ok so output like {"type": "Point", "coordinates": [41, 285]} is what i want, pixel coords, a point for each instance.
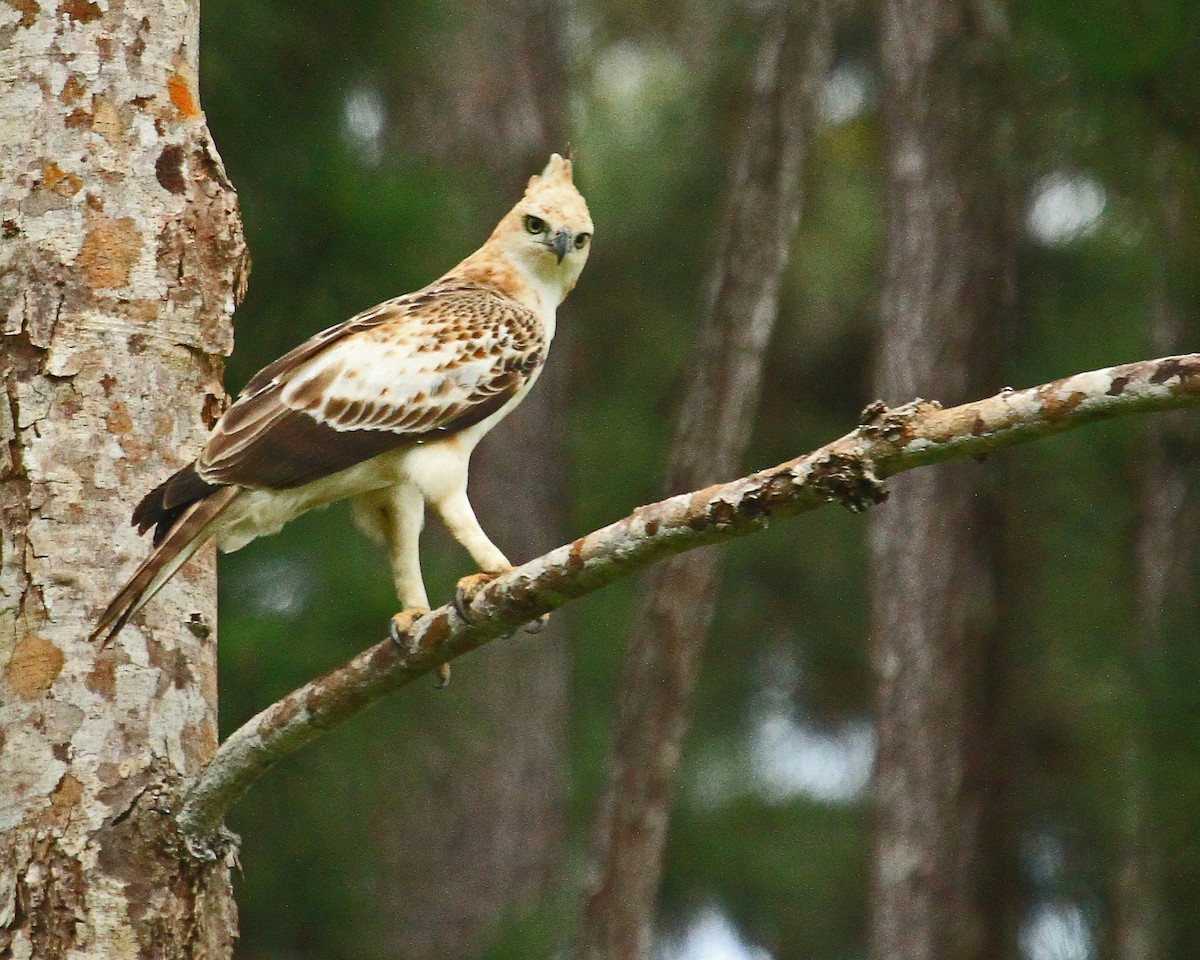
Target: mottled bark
{"type": "Point", "coordinates": [120, 257]}
{"type": "Point", "coordinates": [676, 599]}
{"type": "Point", "coordinates": [933, 565]}
{"type": "Point", "coordinates": [481, 839]}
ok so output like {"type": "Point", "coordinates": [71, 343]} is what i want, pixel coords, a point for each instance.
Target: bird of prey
{"type": "Point", "coordinates": [384, 408]}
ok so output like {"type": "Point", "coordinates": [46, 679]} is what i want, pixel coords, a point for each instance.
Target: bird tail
{"type": "Point", "coordinates": [187, 535]}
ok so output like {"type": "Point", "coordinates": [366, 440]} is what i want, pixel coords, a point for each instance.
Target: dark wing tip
{"type": "Point", "coordinates": [147, 513]}
{"type": "Point", "coordinates": [163, 505]}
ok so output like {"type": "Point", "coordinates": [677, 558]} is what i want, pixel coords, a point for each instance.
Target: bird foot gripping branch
{"type": "Point", "coordinates": [465, 592]}
{"type": "Point", "coordinates": [469, 587]}
{"type": "Point", "coordinates": [400, 629]}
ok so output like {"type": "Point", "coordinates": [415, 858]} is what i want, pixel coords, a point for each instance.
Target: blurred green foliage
{"type": "Point", "coordinates": [335, 225]}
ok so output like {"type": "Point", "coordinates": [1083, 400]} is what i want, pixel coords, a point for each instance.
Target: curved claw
{"type": "Point", "coordinates": [400, 629]}
{"type": "Point", "coordinates": [465, 592]}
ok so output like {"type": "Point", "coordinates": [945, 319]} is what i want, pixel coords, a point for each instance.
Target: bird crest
{"type": "Point", "coordinates": [557, 171]}
{"type": "Point", "coordinates": [552, 196]}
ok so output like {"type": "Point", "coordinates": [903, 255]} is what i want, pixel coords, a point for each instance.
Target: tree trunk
{"type": "Point", "coordinates": [933, 563]}
{"type": "Point", "coordinates": [677, 597]}
{"type": "Point", "coordinates": [1168, 528]}
{"type": "Point", "coordinates": [121, 257]}
{"type": "Point", "coordinates": [481, 840]}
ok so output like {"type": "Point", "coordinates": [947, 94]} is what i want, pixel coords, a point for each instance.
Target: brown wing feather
{"type": "Point", "coordinates": [416, 368]}
{"type": "Point", "coordinates": [296, 449]}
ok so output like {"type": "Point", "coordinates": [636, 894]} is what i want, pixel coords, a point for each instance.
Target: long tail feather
{"type": "Point", "coordinates": [188, 534]}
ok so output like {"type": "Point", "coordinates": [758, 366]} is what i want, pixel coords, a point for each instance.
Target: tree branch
{"type": "Point", "coordinates": [847, 471]}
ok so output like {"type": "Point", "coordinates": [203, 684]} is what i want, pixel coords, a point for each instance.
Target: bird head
{"type": "Point", "coordinates": [548, 234]}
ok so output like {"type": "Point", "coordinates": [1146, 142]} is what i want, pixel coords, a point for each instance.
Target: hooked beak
{"type": "Point", "coordinates": [561, 244]}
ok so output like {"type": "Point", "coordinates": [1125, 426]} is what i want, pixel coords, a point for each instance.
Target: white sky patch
{"type": "Point", "coordinates": [791, 758]}
{"type": "Point", "coordinates": [364, 119]}
{"type": "Point", "coordinates": [622, 71]}
{"type": "Point", "coordinates": [1056, 931]}
{"type": "Point", "coordinates": [634, 82]}
{"type": "Point", "coordinates": [1065, 206]}
{"type": "Point", "coordinates": [845, 94]}
{"type": "Point", "coordinates": [783, 755]}
{"type": "Point", "coordinates": [710, 935]}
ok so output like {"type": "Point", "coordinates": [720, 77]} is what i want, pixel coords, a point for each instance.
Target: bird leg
{"type": "Point", "coordinates": [455, 511]}
{"type": "Point", "coordinates": [396, 516]}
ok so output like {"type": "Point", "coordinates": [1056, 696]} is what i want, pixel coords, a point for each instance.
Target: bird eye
{"type": "Point", "coordinates": [535, 224]}
{"type": "Point", "coordinates": [581, 240]}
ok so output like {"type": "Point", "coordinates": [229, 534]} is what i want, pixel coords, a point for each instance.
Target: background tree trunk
{"type": "Point", "coordinates": [933, 565]}
{"type": "Point", "coordinates": [715, 425]}
{"type": "Point", "coordinates": [481, 838]}
{"type": "Point", "coordinates": [1167, 532]}
{"type": "Point", "coordinates": [121, 258]}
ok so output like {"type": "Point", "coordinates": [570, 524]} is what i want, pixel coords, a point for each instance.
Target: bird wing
{"type": "Point", "coordinates": [418, 367]}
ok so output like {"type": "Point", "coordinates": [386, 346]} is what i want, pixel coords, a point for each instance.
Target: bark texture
{"type": "Point", "coordinates": [481, 839]}
{"type": "Point", "coordinates": [933, 563]}
{"type": "Point", "coordinates": [120, 256]}
{"type": "Point", "coordinates": [676, 598]}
